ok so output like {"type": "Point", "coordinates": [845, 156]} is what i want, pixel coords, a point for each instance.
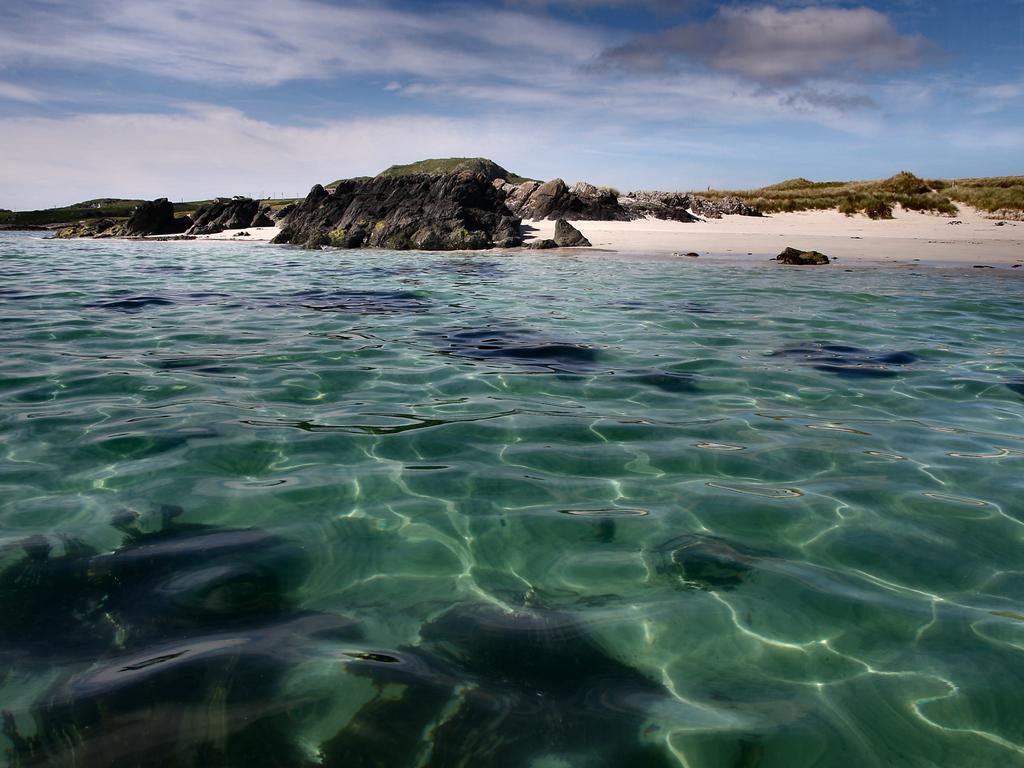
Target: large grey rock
{"type": "Point", "coordinates": [443, 211]}
{"type": "Point", "coordinates": [155, 217]}
{"type": "Point", "coordinates": [235, 213]}
{"type": "Point", "coordinates": [567, 236]}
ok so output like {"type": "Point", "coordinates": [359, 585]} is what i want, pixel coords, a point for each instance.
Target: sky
{"type": "Point", "coordinates": [195, 98]}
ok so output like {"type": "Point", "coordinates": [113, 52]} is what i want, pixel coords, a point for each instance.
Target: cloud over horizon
{"type": "Point", "coordinates": [815, 81]}
{"type": "Point", "coordinates": [777, 46]}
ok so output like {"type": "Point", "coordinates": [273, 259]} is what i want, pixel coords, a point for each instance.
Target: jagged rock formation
{"type": "Point", "coordinates": [155, 217]}
{"type": "Point", "coordinates": [567, 236]}
{"type": "Point", "coordinates": [95, 228]}
{"type": "Point", "coordinates": [796, 257]}
{"type": "Point", "coordinates": [236, 213]}
{"type": "Point", "coordinates": [678, 206]}
{"type": "Point", "coordinates": [556, 200]}
{"type": "Point", "coordinates": [454, 211]}
{"type": "Point", "coordinates": [670, 206]}
{"type": "Point", "coordinates": [586, 202]}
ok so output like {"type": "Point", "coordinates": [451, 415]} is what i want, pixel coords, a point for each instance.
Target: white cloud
{"type": "Point", "coordinates": [268, 42]}
{"type": "Point", "coordinates": [14, 92]}
{"type": "Point", "coordinates": [206, 151]}
{"type": "Point", "coordinates": [773, 45]}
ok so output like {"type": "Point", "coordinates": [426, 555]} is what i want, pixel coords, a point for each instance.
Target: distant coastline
{"type": "Point", "coordinates": [475, 204]}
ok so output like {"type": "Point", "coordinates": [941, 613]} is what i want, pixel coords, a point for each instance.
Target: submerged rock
{"type": "Point", "coordinates": [849, 361]}
{"type": "Point", "coordinates": [567, 236]}
{"type": "Point", "coordinates": [457, 211]}
{"type": "Point", "coordinates": [795, 256]}
{"type": "Point", "coordinates": [704, 562]}
{"type": "Point", "coordinates": [172, 650]}
{"type": "Point", "coordinates": [493, 687]}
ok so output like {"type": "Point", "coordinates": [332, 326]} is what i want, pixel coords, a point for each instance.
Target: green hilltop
{"type": "Point", "coordinates": [481, 165]}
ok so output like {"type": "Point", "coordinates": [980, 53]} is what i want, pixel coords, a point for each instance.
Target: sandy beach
{"type": "Point", "coordinates": [908, 237]}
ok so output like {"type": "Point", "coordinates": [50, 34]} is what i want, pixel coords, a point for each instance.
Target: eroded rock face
{"type": "Point", "coordinates": [155, 217]}
{"type": "Point", "coordinates": [567, 236]}
{"type": "Point", "coordinates": [445, 212]}
{"type": "Point", "coordinates": [236, 213]}
{"type": "Point", "coordinates": [556, 200]}
{"type": "Point", "coordinates": [669, 206]}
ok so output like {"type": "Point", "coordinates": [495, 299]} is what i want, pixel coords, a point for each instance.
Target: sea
{"type": "Point", "coordinates": [262, 506]}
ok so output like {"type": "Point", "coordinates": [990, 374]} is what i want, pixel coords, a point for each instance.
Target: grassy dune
{"type": "Point", "coordinates": [877, 199]}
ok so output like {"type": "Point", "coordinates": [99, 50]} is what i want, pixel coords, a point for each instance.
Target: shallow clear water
{"type": "Point", "coordinates": [261, 506]}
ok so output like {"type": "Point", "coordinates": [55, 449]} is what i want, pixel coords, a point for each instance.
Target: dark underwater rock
{"type": "Point", "coordinates": [794, 256]}
{"type": "Point", "coordinates": [505, 688]}
{"type": "Point", "coordinates": [848, 361]}
{"type": "Point", "coordinates": [704, 562]}
{"type": "Point", "coordinates": [567, 236]}
{"type": "Point", "coordinates": [457, 211]}
{"type": "Point", "coordinates": [155, 217]}
{"type": "Point", "coordinates": [172, 649]}
{"type": "Point", "coordinates": [516, 345]}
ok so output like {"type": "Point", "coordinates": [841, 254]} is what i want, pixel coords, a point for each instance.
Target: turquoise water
{"type": "Point", "coordinates": [261, 506]}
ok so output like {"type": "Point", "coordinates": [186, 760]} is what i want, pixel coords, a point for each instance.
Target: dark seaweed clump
{"type": "Point", "coordinates": [173, 651]}
{"type": "Point", "coordinates": [705, 562]}
{"type": "Point", "coordinates": [361, 302]}
{"type": "Point", "coordinates": [848, 361]}
{"type": "Point", "coordinates": [132, 304]}
{"type": "Point", "coordinates": [519, 346]}
{"type": "Point", "coordinates": [172, 648]}
{"type": "Point", "coordinates": [501, 688]}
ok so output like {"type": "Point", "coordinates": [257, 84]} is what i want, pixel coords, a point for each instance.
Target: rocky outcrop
{"type": "Point", "coordinates": [96, 228]}
{"type": "Point", "coordinates": [723, 206]}
{"type": "Point", "coordinates": [236, 213]}
{"type": "Point", "coordinates": [679, 206]}
{"type": "Point", "coordinates": [586, 202]}
{"type": "Point", "coordinates": [454, 211]}
{"type": "Point", "coordinates": [567, 236]}
{"type": "Point", "coordinates": [556, 200]}
{"type": "Point", "coordinates": [669, 206]}
{"type": "Point", "coordinates": [155, 217]}
{"type": "Point", "coordinates": [796, 257]}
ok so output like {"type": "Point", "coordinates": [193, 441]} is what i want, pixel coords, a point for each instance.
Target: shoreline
{"type": "Point", "coordinates": [910, 237]}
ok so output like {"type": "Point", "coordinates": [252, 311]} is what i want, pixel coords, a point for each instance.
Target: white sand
{"type": "Point", "coordinates": [256, 234]}
{"type": "Point", "coordinates": [909, 236]}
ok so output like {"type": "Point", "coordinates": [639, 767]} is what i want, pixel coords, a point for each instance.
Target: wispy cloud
{"type": "Point", "coordinates": [774, 45]}
{"type": "Point", "coordinates": [269, 42]}
{"type": "Point", "coordinates": [14, 92]}
{"type": "Point", "coordinates": [205, 150]}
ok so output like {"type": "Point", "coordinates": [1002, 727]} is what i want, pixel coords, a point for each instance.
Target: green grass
{"type": "Point", "coordinates": [877, 199]}
{"type": "Point", "coordinates": [999, 193]}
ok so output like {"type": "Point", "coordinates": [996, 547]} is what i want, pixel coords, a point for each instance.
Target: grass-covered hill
{"type": "Point", "coordinates": [481, 165]}
{"type": "Point", "coordinates": [101, 208]}
{"type": "Point", "coordinates": [999, 196]}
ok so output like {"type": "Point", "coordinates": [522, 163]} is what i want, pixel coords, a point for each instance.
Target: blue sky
{"type": "Point", "coordinates": [193, 98]}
